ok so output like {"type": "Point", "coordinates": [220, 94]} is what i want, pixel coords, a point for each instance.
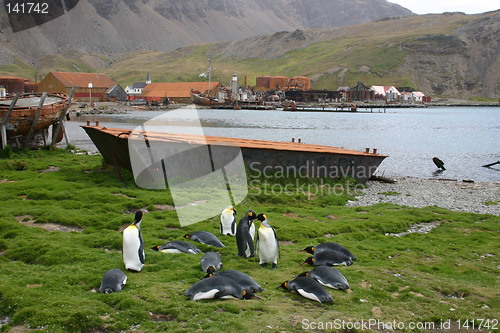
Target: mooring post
{"type": "Point", "coordinates": [3, 124]}
{"type": "Point", "coordinates": [60, 120]}
{"type": "Point", "coordinates": [35, 120]}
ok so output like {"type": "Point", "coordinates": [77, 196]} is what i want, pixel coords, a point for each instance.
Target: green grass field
{"type": "Point", "coordinates": [50, 279]}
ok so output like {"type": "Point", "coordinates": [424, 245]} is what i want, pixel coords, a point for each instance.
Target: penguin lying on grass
{"type": "Point", "coordinates": [267, 243]}
{"type": "Point", "coordinates": [217, 287]}
{"type": "Point", "coordinates": [211, 262]}
{"type": "Point", "coordinates": [113, 281]}
{"type": "Point", "coordinates": [228, 221]}
{"type": "Point", "coordinates": [328, 258]}
{"type": "Point", "coordinates": [133, 245]}
{"type": "Point", "coordinates": [244, 238]}
{"type": "Point", "coordinates": [205, 237]}
{"type": "Point", "coordinates": [177, 247]}
{"type": "Point", "coordinates": [309, 288]}
{"type": "Point", "coordinates": [245, 281]}
{"type": "Point", "coordinates": [329, 277]}
{"type": "Point", "coordinates": [329, 246]}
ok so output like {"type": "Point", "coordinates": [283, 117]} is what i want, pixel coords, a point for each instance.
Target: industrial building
{"type": "Point", "coordinates": [90, 87]}
{"type": "Point", "coordinates": [178, 92]}
{"type": "Point", "coordinates": [282, 83]}
{"type": "Point", "coordinates": [16, 85]}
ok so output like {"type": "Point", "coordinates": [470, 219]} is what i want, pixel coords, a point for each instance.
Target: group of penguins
{"type": "Point", "coordinates": [233, 283]}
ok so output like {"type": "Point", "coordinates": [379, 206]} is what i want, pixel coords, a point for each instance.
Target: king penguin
{"type": "Point", "coordinates": [133, 244]}
{"type": "Point", "coordinates": [205, 237]}
{"type": "Point", "coordinates": [113, 281]}
{"type": "Point", "coordinates": [244, 239]}
{"type": "Point", "coordinates": [216, 287]}
{"type": "Point", "coordinates": [228, 221]}
{"type": "Point", "coordinates": [245, 281]}
{"type": "Point", "coordinates": [309, 288]}
{"type": "Point", "coordinates": [329, 277]}
{"type": "Point", "coordinates": [328, 258]}
{"type": "Point", "coordinates": [211, 262]}
{"type": "Point", "coordinates": [267, 243]}
{"type": "Point", "coordinates": [329, 246]}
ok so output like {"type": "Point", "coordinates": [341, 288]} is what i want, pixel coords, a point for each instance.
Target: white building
{"type": "Point", "coordinates": [390, 93]}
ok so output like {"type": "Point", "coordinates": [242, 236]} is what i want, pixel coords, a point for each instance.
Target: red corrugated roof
{"type": "Point", "coordinates": [176, 89]}
{"type": "Point", "coordinates": [70, 79]}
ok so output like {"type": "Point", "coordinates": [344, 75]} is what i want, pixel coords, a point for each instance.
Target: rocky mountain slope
{"type": "Point", "coordinates": [448, 55]}
{"type": "Point", "coordinates": [114, 27]}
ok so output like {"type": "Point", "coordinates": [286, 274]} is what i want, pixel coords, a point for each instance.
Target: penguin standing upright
{"type": "Point", "coordinates": [267, 242]}
{"type": "Point", "coordinates": [228, 221]}
{"type": "Point", "coordinates": [133, 244]}
{"type": "Point", "coordinates": [244, 240]}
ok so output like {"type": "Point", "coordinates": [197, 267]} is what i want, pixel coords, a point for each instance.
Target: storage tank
{"type": "Point", "coordinates": [13, 85]}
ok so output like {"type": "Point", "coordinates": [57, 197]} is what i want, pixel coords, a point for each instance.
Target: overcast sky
{"type": "Point", "coordinates": [441, 6]}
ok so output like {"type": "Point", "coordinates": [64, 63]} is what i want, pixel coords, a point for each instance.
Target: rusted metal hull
{"type": "Point", "coordinates": [264, 157]}
{"type": "Point", "coordinates": [23, 114]}
{"type": "Point", "coordinates": [198, 99]}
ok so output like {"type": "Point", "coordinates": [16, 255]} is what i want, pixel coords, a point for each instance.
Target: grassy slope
{"type": "Point", "coordinates": [412, 278]}
{"type": "Point", "coordinates": [376, 45]}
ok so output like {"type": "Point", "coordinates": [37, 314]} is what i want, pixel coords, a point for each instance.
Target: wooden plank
{"type": "Point", "coordinates": [3, 125]}
{"type": "Point", "coordinates": [60, 120]}
{"type": "Point", "coordinates": [35, 120]}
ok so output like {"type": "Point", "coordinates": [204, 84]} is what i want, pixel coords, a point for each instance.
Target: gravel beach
{"type": "Point", "coordinates": [450, 194]}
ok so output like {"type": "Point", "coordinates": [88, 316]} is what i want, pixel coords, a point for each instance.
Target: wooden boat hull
{"type": "Point", "coordinates": [23, 114]}
{"type": "Point", "coordinates": [264, 157]}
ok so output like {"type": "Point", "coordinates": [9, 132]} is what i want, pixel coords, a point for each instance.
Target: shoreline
{"type": "Point", "coordinates": [480, 198]}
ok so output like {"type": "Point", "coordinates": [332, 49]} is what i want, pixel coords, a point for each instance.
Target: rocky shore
{"type": "Point", "coordinates": [482, 198]}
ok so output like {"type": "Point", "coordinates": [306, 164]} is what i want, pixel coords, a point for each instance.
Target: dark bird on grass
{"type": "Point", "coordinates": [244, 238]}
{"type": "Point", "coordinates": [228, 221]}
{"type": "Point", "coordinates": [267, 243]}
{"type": "Point", "coordinates": [211, 262]}
{"type": "Point", "coordinates": [177, 247]}
{"type": "Point", "coordinates": [113, 281]}
{"type": "Point", "coordinates": [205, 237]}
{"type": "Point", "coordinates": [328, 258]}
{"type": "Point", "coordinates": [217, 287]}
{"type": "Point", "coordinates": [133, 245]}
{"type": "Point", "coordinates": [309, 288]}
{"type": "Point", "coordinates": [329, 246]}
{"type": "Point", "coordinates": [244, 280]}
{"type": "Point", "coordinates": [439, 163]}
{"type": "Point", "coordinates": [328, 276]}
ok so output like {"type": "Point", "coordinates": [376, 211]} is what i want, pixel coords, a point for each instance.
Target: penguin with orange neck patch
{"type": "Point", "coordinates": [267, 243]}
{"type": "Point", "coordinates": [133, 245]}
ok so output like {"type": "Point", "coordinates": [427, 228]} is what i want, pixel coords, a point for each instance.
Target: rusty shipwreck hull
{"type": "Point", "coordinates": [263, 157]}
{"type": "Point", "coordinates": [25, 112]}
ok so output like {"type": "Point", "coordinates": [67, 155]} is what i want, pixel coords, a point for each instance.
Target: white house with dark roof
{"type": "Point", "coordinates": [135, 90]}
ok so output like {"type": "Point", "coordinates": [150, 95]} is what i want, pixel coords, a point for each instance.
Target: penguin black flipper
{"type": "Point", "coordinates": [277, 242]}
{"type": "Point", "coordinates": [141, 249]}
{"type": "Point", "coordinates": [233, 226]}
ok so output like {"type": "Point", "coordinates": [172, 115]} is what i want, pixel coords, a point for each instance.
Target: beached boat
{"type": "Point", "coordinates": [28, 115]}
{"type": "Point", "coordinates": [201, 99]}
{"type": "Point", "coordinates": [264, 157]}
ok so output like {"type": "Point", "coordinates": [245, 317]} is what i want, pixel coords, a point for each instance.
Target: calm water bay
{"type": "Point", "coordinates": [465, 138]}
